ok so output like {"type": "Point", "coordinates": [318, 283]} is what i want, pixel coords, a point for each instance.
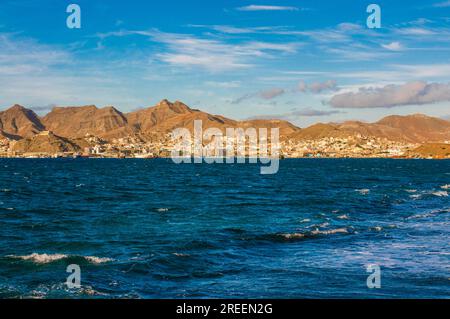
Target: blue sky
{"type": "Point", "coordinates": [305, 61]}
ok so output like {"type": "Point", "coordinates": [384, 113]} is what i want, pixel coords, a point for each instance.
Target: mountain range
{"type": "Point", "coordinates": [73, 123]}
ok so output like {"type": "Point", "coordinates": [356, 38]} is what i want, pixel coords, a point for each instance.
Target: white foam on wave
{"type": "Point", "coordinates": [42, 291]}
{"type": "Point", "coordinates": [330, 232]}
{"type": "Point", "coordinates": [98, 260]}
{"type": "Point", "coordinates": [431, 213]}
{"type": "Point", "coordinates": [293, 236]}
{"type": "Point", "coordinates": [363, 191]}
{"type": "Point", "coordinates": [49, 258]}
{"type": "Point", "coordinates": [315, 232]}
{"type": "Point", "coordinates": [40, 258]}
{"type": "Point", "coordinates": [423, 194]}
{"type": "Point", "coordinates": [440, 193]}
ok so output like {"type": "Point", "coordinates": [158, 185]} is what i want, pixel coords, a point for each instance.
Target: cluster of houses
{"type": "Point", "coordinates": [351, 146]}
{"type": "Point", "coordinates": [357, 146]}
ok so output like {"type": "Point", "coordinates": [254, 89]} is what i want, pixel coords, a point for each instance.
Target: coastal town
{"type": "Point", "coordinates": [132, 147]}
{"type": "Point", "coordinates": [91, 132]}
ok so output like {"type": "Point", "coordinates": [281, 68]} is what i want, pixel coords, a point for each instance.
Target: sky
{"type": "Point", "coordinates": [303, 61]}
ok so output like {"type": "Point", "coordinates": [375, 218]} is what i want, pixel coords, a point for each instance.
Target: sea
{"type": "Point", "coordinates": [137, 228]}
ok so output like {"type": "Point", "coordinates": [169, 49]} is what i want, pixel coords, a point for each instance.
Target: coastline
{"type": "Point", "coordinates": [50, 156]}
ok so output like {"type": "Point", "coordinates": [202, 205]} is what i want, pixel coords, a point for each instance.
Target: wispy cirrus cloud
{"type": "Point", "coordinates": [210, 54]}
{"type": "Point", "coordinates": [401, 73]}
{"type": "Point", "coordinates": [354, 41]}
{"type": "Point", "coordinates": [224, 85]}
{"type": "Point", "coordinates": [230, 29]}
{"type": "Point", "coordinates": [411, 93]}
{"type": "Point", "coordinates": [268, 94]}
{"type": "Point", "coordinates": [255, 7]}
{"type": "Point", "coordinates": [393, 46]}
{"type": "Point", "coordinates": [37, 75]}
{"type": "Point", "coordinates": [24, 55]}
{"type": "Point", "coordinates": [444, 4]}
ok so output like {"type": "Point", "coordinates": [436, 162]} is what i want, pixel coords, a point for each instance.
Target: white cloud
{"type": "Point", "coordinates": [425, 71]}
{"type": "Point", "coordinates": [229, 29]}
{"type": "Point", "coordinates": [401, 73]}
{"type": "Point", "coordinates": [213, 55]}
{"type": "Point", "coordinates": [412, 93]}
{"type": "Point", "coordinates": [393, 46]}
{"type": "Point", "coordinates": [28, 56]}
{"type": "Point", "coordinates": [35, 74]}
{"type": "Point", "coordinates": [268, 94]}
{"type": "Point", "coordinates": [413, 31]}
{"type": "Point", "coordinates": [317, 87]}
{"type": "Point", "coordinates": [443, 4]}
{"type": "Point", "coordinates": [254, 7]}
{"type": "Point", "coordinates": [271, 93]}
{"type": "Point", "coordinates": [224, 85]}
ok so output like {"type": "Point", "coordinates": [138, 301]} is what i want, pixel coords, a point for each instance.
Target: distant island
{"type": "Point", "coordinates": [88, 131]}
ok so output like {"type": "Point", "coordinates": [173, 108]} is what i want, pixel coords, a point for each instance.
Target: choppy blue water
{"type": "Point", "coordinates": [153, 229]}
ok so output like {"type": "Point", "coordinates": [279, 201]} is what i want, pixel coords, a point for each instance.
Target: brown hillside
{"type": "Point", "coordinates": [154, 122]}
{"type": "Point", "coordinates": [75, 122]}
{"type": "Point", "coordinates": [286, 128]}
{"type": "Point", "coordinates": [318, 131]}
{"type": "Point", "coordinates": [19, 121]}
{"type": "Point", "coordinates": [435, 150]}
{"type": "Point", "coordinates": [166, 116]}
{"type": "Point", "coordinates": [413, 129]}
{"type": "Point", "coordinates": [419, 128]}
{"type": "Point", "coordinates": [45, 143]}
{"type": "Point", "coordinates": [146, 120]}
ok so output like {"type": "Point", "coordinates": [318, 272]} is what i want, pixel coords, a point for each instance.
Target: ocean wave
{"type": "Point", "coordinates": [314, 233]}
{"type": "Point", "coordinates": [181, 255]}
{"type": "Point", "coordinates": [98, 260]}
{"type": "Point", "coordinates": [431, 213]}
{"type": "Point", "coordinates": [426, 194]}
{"type": "Point", "coordinates": [49, 258]}
{"type": "Point", "coordinates": [363, 191]}
{"type": "Point", "coordinates": [440, 194]}
{"type": "Point", "coordinates": [47, 291]}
